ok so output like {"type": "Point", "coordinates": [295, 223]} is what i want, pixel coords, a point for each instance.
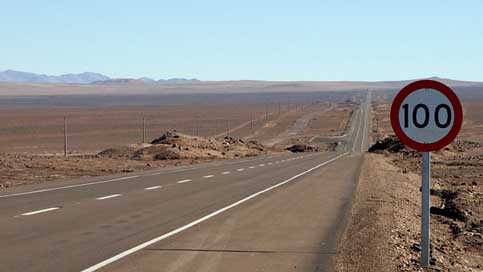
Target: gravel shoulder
{"type": "Point", "coordinates": [364, 246]}
{"type": "Point", "coordinates": [384, 229]}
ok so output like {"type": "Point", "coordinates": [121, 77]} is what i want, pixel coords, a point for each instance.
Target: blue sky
{"type": "Point", "coordinates": [266, 40]}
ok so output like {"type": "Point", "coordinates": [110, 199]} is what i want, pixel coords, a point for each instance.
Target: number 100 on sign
{"type": "Point", "coordinates": [426, 115]}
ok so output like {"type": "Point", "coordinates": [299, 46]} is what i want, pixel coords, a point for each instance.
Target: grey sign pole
{"type": "Point", "coordinates": [425, 206]}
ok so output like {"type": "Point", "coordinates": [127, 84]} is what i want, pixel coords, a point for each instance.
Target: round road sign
{"type": "Point", "coordinates": [426, 115]}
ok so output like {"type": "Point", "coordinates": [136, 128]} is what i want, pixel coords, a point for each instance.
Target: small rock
{"type": "Point", "coordinates": [416, 247]}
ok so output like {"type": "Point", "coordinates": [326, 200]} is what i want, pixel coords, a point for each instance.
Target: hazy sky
{"type": "Point", "coordinates": [270, 40]}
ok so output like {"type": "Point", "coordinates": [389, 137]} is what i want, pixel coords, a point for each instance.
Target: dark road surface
{"type": "Point", "coordinates": [268, 214]}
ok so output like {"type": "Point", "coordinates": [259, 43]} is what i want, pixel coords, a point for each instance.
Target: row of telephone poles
{"type": "Point", "coordinates": [196, 122]}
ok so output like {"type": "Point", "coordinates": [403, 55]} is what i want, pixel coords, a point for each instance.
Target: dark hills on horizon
{"type": "Point", "coordinates": [12, 76]}
{"type": "Point", "coordinates": [82, 78]}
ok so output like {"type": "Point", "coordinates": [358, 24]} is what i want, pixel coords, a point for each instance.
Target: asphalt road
{"type": "Point", "coordinates": [271, 213]}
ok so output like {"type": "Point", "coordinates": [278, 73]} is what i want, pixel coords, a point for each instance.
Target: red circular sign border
{"type": "Point", "coordinates": [426, 84]}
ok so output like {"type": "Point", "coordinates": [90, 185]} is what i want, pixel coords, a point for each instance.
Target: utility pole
{"type": "Point", "coordinates": [288, 104]}
{"type": "Point", "coordinates": [65, 136]}
{"type": "Point", "coordinates": [144, 130]}
{"type": "Point", "coordinates": [266, 112]}
{"type": "Point", "coordinates": [193, 124]}
{"type": "Point", "coordinates": [197, 126]}
{"type": "Point", "coordinates": [227, 128]}
{"type": "Point", "coordinates": [279, 108]}
{"type": "Point", "coordinates": [251, 120]}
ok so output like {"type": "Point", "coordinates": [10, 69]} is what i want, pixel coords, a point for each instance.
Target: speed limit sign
{"type": "Point", "coordinates": [426, 115]}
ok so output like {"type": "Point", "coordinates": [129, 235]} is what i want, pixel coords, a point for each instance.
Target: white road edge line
{"type": "Point", "coordinates": [107, 197]}
{"type": "Point", "coordinates": [358, 130]}
{"type": "Point", "coordinates": [202, 219]}
{"type": "Point", "coordinates": [184, 181]}
{"type": "Point", "coordinates": [364, 131]}
{"type": "Point", "coordinates": [41, 211]}
{"type": "Point", "coordinates": [69, 186]}
{"type": "Point", "coordinates": [152, 188]}
{"type": "Point", "coordinates": [129, 177]}
{"type": "Point", "coordinates": [240, 169]}
{"type": "Point", "coordinates": [208, 176]}
{"type": "Point", "coordinates": [251, 167]}
{"type": "Point", "coordinates": [152, 174]}
{"type": "Point", "coordinates": [225, 173]}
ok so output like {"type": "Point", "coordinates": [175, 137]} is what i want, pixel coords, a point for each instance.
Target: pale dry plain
{"type": "Point", "coordinates": [32, 128]}
{"type": "Point", "coordinates": [382, 234]}
{"type": "Point", "coordinates": [182, 194]}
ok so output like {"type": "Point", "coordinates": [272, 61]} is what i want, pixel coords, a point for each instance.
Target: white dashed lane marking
{"type": "Point", "coordinates": [150, 175]}
{"type": "Point", "coordinates": [41, 211]}
{"type": "Point", "coordinates": [107, 197]}
{"type": "Point", "coordinates": [159, 186]}
{"type": "Point", "coordinates": [198, 221]}
{"type": "Point", "coordinates": [152, 188]}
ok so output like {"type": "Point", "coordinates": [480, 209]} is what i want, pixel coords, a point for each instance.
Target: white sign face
{"type": "Point", "coordinates": [426, 116]}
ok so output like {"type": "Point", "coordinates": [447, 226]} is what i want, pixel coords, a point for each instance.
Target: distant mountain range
{"type": "Point", "coordinates": [83, 78]}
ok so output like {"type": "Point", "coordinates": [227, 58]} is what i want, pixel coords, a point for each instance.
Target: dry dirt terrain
{"type": "Point", "coordinates": [384, 232]}
{"type": "Point", "coordinates": [107, 140]}
{"type": "Point", "coordinates": [35, 124]}
{"type": "Point", "coordinates": [90, 130]}
{"type": "Point", "coordinates": [240, 86]}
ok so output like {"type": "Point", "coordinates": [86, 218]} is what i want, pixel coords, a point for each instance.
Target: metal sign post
{"type": "Point", "coordinates": [425, 206]}
{"type": "Point", "coordinates": [426, 115]}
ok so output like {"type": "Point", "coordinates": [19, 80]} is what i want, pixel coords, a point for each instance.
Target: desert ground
{"type": "Point", "coordinates": [106, 137]}
{"type": "Point", "coordinates": [383, 234]}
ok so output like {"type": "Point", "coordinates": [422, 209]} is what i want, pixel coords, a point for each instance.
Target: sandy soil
{"type": "Point", "coordinates": [33, 138]}
{"type": "Point", "coordinates": [235, 86]}
{"type": "Point", "coordinates": [365, 245]}
{"type": "Point", "coordinates": [90, 130]}
{"type": "Point", "coordinates": [330, 123]}
{"type": "Point", "coordinates": [171, 149]}
{"type": "Point", "coordinates": [321, 119]}
{"type": "Point", "coordinates": [384, 230]}
{"type": "Point", "coordinates": [94, 129]}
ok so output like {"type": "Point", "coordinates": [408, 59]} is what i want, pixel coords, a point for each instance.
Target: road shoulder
{"type": "Point", "coordinates": [383, 233]}
{"type": "Point", "coordinates": [365, 245]}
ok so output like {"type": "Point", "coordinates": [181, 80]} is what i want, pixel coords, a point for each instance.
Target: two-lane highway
{"type": "Point", "coordinates": [91, 224]}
